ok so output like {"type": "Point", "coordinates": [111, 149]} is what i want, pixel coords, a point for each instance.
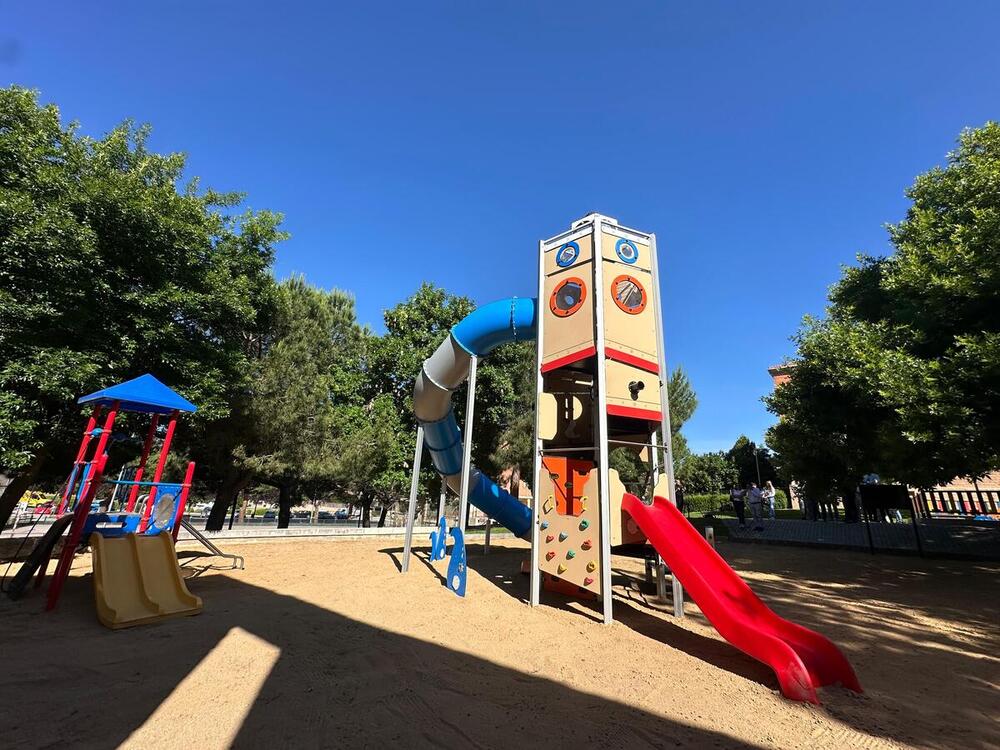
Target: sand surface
{"type": "Point", "coordinates": [324, 644]}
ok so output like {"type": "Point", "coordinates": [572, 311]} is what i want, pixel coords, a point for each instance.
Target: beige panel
{"type": "Point", "coordinates": [553, 552]}
{"type": "Point", "coordinates": [619, 377]}
{"type": "Point", "coordinates": [586, 244]}
{"type": "Point", "coordinates": [632, 334]}
{"type": "Point", "coordinates": [548, 416]}
{"type": "Point", "coordinates": [566, 335]}
{"type": "Point", "coordinates": [574, 414]}
{"type": "Point", "coordinates": [662, 488]}
{"type": "Point", "coordinates": [644, 261]}
{"type": "Point", "coordinates": [623, 529]}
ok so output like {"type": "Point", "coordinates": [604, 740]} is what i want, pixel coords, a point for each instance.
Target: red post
{"type": "Point", "coordinates": [160, 463]}
{"type": "Point", "coordinates": [81, 452]}
{"type": "Point", "coordinates": [76, 530]}
{"type": "Point", "coordinates": [182, 502]}
{"type": "Point", "coordinates": [146, 447]}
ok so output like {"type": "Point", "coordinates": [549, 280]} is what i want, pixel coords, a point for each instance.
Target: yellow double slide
{"type": "Point", "coordinates": [137, 580]}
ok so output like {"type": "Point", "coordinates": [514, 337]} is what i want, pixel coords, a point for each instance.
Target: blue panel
{"type": "Point", "coordinates": [439, 540]}
{"type": "Point", "coordinates": [486, 327]}
{"type": "Point", "coordinates": [143, 394]}
{"type": "Point", "coordinates": [112, 524]}
{"type": "Point", "coordinates": [169, 494]}
{"type": "Point", "coordinates": [444, 440]}
{"type": "Point", "coordinates": [457, 569]}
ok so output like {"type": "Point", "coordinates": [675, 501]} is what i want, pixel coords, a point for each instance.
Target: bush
{"type": "Point", "coordinates": [714, 502]}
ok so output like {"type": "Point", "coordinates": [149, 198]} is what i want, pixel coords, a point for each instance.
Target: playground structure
{"type": "Point", "coordinates": [600, 383]}
{"type": "Point", "coordinates": [136, 575]}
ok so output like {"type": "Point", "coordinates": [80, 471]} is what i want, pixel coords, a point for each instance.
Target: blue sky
{"type": "Point", "coordinates": [765, 143]}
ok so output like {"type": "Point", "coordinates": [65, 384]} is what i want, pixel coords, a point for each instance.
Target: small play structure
{"type": "Point", "coordinates": [600, 384]}
{"type": "Point", "coordinates": [136, 575]}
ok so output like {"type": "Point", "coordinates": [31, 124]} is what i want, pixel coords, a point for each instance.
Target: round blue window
{"type": "Point", "coordinates": [627, 251]}
{"type": "Point", "coordinates": [567, 254]}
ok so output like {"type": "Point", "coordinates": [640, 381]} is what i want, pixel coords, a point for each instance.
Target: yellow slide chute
{"type": "Point", "coordinates": [137, 580]}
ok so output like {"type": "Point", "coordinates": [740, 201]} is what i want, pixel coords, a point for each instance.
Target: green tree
{"type": "Point", "coordinates": [110, 270]}
{"type": "Point", "coordinates": [902, 377]}
{"type": "Point", "coordinates": [305, 396]}
{"type": "Point", "coordinates": [709, 473]}
{"type": "Point", "coordinates": [752, 462]}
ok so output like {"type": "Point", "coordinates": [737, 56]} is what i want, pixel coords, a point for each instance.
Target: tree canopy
{"type": "Point", "coordinates": [111, 269]}
{"type": "Point", "coordinates": [902, 376]}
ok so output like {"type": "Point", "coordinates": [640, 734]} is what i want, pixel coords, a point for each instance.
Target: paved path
{"type": "Point", "coordinates": [980, 539]}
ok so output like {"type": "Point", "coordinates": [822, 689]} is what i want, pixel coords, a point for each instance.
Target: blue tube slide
{"type": "Point", "coordinates": [443, 372]}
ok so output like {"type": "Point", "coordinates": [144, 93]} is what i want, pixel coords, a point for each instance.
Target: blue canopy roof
{"type": "Point", "coordinates": [144, 394]}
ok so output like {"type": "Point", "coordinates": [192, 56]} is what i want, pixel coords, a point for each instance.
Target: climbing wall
{"type": "Point", "coordinates": [569, 522]}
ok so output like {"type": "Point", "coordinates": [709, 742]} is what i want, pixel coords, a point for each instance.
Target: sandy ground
{"type": "Point", "coordinates": [325, 644]}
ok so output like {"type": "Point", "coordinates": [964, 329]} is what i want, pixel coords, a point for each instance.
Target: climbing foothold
{"type": "Point", "coordinates": [563, 536]}
{"type": "Point", "coordinates": [549, 555]}
{"type": "Point", "coordinates": [549, 538]}
{"type": "Point", "coordinates": [584, 524]}
{"type": "Point", "coordinates": [587, 581]}
{"type": "Point", "coordinates": [591, 566]}
{"type": "Point", "coordinates": [583, 503]}
{"type": "Point", "coordinates": [561, 568]}
{"type": "Point", "coordinates": [586, 544]}
{"type": "Point", "coordinates": [570, 554]}
{"type": "Point", "coordinates": [545, 525]}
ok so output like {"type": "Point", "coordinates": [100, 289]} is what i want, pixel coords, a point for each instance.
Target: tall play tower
{"type": "Point", "coordinates": [601, 383]}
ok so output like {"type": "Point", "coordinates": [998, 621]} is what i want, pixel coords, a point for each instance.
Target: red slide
{"type": "Point", "coordinates": [802, 659]}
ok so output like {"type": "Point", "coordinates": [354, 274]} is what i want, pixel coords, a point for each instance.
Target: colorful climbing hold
{"type": "Point", "coordinates": [570, 554]}
{"type": "Point", "coordinates": [561, 568]}
{"type": "Point", "coordinates": [584, 524]}
{"type": "Point", "coordinates": [545, 525]}
{"type": "Point", "coordinates": [591, 566]}
{"type": "Point", "coordinates": [563, 536]}
{"type": "Point", "coordinates": [587, 581]}
{"type": "Point", "coordinates": [549, 555]}
{"type": "Point", "coordinates": [587, 544]}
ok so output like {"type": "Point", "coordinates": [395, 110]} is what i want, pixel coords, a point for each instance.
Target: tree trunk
{"type": "Point", "coordinates": [366, 511]}
{"type": "Point", "coordinates": [232, 485]}
{"type": "Point", "coordinates": [286, 497]}
{"type": "Point", "coordinates": [17, 486]}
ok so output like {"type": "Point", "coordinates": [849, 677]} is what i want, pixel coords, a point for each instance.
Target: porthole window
{"type": "Point", "coordinates": [627, 251]}
{"type": "Point", "coordinates": [567, 254]}
{"type": "Point", "coordinates": [628, 294]}
{"type": "Point", "coordinates": [567, 297]}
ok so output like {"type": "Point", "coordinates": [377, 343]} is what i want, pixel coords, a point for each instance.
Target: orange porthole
{"type": "Point", "coordinates": [628, 294]}
{"type": "Point", "coordinates": [568, 297]}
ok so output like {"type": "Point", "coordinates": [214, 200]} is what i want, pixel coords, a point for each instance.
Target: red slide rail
{"type": "Point", "coordinates": [802, 659]}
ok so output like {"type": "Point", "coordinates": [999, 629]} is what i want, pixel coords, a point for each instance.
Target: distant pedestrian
{"type": "Point", "coordinates": [679, 495]}
{"type": "Point", "coordinates": [756, 499]}
{"type": "Point", "coordinates": [769, 495]}
{"type": "Point", "coordinates": [737, 498]}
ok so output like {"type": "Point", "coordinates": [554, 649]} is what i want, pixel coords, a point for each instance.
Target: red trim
{"type": "Point", "coordinates": [569, 359]}
{"type": "Point", "coordinates": [630, 411]}
{"type": "Point", "coordinates": [631, 359]}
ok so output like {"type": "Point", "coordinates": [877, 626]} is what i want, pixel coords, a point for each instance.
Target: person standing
{"type": "Point", "coordinates": [736, 497]}
{"type": "Point", "coordinates": [679, 495]}
{"type": "Point", "coordinates": [769, 495]}
{"type": "Point", "coordinates": [756, 498]}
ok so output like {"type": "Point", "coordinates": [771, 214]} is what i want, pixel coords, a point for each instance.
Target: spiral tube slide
{"type": "Point", "coordinates": [479, 333]}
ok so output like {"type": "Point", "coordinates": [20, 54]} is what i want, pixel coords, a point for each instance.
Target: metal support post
{"type": "Point", "coordinates": [470, 408]}
{"type": "Point", "coordinates": [536, 466]}
{"type": "Point", "coordinates": [411, 511]}
{"type": "Point", "coordinates": [668, 456]}
{"type": "Point", "coordinates": [601, 425]}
